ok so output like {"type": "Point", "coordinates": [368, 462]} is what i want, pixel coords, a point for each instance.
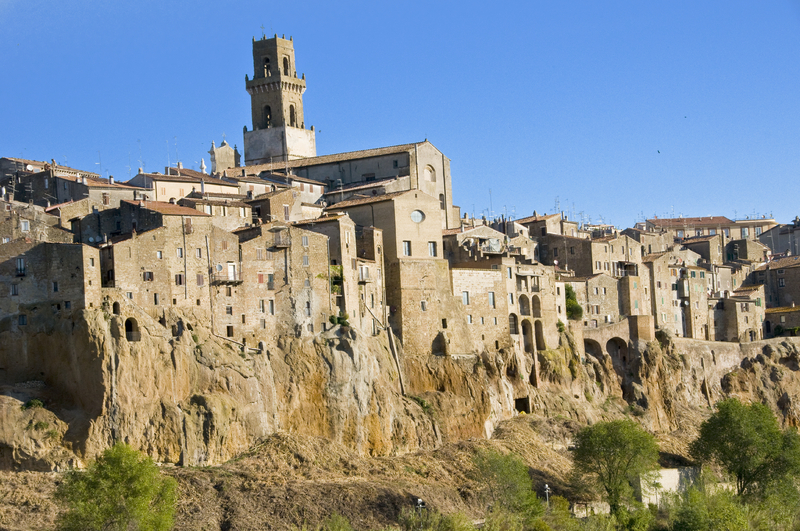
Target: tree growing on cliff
{"type": "Point", "coordinates": [610, 455]}
{"type": "Point", "coordinates": [508, 487]}
{"type": "Point", "coordinates": [574, 309]}
{"type": "Point", "coordinates": [748, 443]}
{"type": "Point", "coordinates": [121, 490]}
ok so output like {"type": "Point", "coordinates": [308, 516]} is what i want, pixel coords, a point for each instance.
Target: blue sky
{"type": "Point", "coordinates": [617, 110]}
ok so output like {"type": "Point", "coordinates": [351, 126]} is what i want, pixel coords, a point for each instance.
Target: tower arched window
{"type": "Point", "coordinates": [267, 116]}
{"type": "Point", "coordinates": [267, 67]}
{"type": "Point", "coordinates": [292, 116]}
{"type": "Point", "coordinates": [285, 66]}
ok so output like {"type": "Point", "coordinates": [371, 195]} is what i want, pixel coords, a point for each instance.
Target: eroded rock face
{"type": "Point", "coordinates": [185, 396]}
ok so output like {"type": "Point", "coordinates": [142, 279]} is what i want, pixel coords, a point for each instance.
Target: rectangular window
{"type": "Point", "coordinates": [23, 320]}
{"type": "Point", "coordinates": [511, 299]}
{"type": "Point", "coordinates": [261, 278]}
{"type": "Point", "coordinates": [271, 307]}
{"type": "Point", "coordinates": [263, 323]}
{"type": "Point", "coordinates": [491, 300]}
{"type": "Point", "coordinates": [465, 297]}
{"type": "Point", "coordinates": [406, 248]}
{"type": "Point", "coordinates": [228, 310]}
{"type": "Point", "coordinates": [198, 253]}
{"type": "Point", "coordinates": [423, 306]}
{"type": "Point", "coordinates": [745, 232]}
{"type": "Point", "coordinates": [180, 252]}
{"type": "Point", "coordinates": [224, 245]}
{"type": "Point", "coordinates": [305, 241]}
{"type": "Point", "coordinates": [67, 305]}
{"type": "Point", "coordinates": [286, 212]}
{"type": "Point", "coordinates": [508, 272]}
{"type": "Point", "coordinates": [129, 295]}
{"type": "Point", "coordinates": [572, 250]}
{"type": "Point", "coordinates": [229, 330]}
{"type": "Point", "coordinates": [469, 319]}
{"type": "Point", "coordinates": [14, 289]}
{"type": "Point", "coordinates": [55, 287]}
{"type": "Point", "coordinates": [781, 282]}
{"type": "Point", "coordinates": [25, 225]}
{"type": "Point", "coordinates": [159, 255]}
{"type": "Point", "coordinates": [179, 279]}
{"type": "Point", "coordinates": [305, 260]}
{"type": "Point", "coordinates": [155, 299]}
{"type": "Point", "coordinates": [259, 254]}
{"type": "Point", "coordinates": [147, 276]}
{"type": "Point", "coordinates": [432, 248]}
{"type": "Point", "coordinates": [199, 279]}
{"type": "Point", "coordinates": [91, 262]}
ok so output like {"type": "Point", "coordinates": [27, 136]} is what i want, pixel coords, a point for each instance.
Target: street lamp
{"type": "Point", "coordinates": [547, 494]}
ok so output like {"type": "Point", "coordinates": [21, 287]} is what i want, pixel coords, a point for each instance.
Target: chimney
{"type": "Point", "coordinates": [110, 179]}
{"type": "Point", "coordinates": [180, 165]}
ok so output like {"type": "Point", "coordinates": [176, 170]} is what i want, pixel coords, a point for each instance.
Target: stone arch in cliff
{"type": "Point", "coordinates": [617, 348]}
{"type": "Point", "coordinates": [132, 330]}
{"type": "Point", "coordinates": [593, 349]}
{"type": "Point", "coordinates": [115, 308]}
{"type": "Point", "coordinates": [527, 336]}
{"type": "Point", "coordinates": [540, 344]}
{"type": "Point", "coordinates": [536, 306]}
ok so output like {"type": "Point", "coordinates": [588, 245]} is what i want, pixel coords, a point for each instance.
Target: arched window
{"type": "Point", "coordinates": [292, 117]}
{"type": "Point", "coordinates": [115, 308]}
{"type": "Point", "coordinates": [285, 66]}
{"type": "Point", "coordinates": [267, 116]}
{"type": "Point", "coordinates": [132, 330]}
{"type": "Point", "coordinates": [512, 324]}
{"type": "Point", "coordinates": [430, 174]}
{"type": "Point", "coordinates": [540, 345]}
{"type": "Point", "coordinates": [267, 68]}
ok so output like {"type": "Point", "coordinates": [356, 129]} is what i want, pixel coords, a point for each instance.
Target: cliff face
{"type": "Point", "coordinates": [187, 397]}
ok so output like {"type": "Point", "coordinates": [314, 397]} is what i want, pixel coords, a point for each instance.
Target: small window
{"type": "Point", "coordinates": [55, 287]}
{"type": "Point", "coordinates": [147, 276]}
{"type": "Point", "coordinates": [469, 319]}
{"type": "Point", "coordinates": [305, 260]}
{"type": "Point", "coordinates": [465, 297]}
{"type": "Point", "coordinates": [25, 225]}
{"type": "Point", "coordinates": [272, 307]}
{"type": "Point", "coordinates": [198, 253]}
{"type": "Point", "coordinates": [308, 308]}
{"type": "Point", "coordinates": [14, 289]}
{"type": "Point", "coordinates": [228, 310]}
{"type": "Point", "coordinates": [23, 320]}
{"type": "Point", "coordinates": [432, 248]}
{"type": "Point", "coordinates": [229, 330]}
{"type": "Point", "coordinates": [423, 306]}
{"type": "Point", "coordinates": [508, 271]}
{"type": "Point", "coordinates": [159, 255]}
{"type": "Point", "coordinates": [406, 248]}
{"type": "Point", "coordinates": [179, 279]}
{"type": "Point", "coordinates": [305, 241]}
{"type": "Point", "coordinates": [91, 262]}
{"type": "Point", "coordinates": [200, 279]}
{"type": "Point", "coordinates": [155, 299]}
{"type": "Point", "coordinates": [67, 305]}
{"type": "Point", "coordinates": [491, 300]}
{"type": "Point", "coordinates": [180, 252]}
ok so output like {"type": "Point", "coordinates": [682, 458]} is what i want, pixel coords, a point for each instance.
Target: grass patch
{"type": "Point", "coordinates": [31, 404]}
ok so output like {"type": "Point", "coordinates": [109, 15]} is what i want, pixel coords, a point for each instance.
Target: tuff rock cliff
{"type": "Point", "coordinates": [185, 396]}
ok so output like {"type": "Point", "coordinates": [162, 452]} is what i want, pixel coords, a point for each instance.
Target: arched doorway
{"type": "Point", "coordinates": [527, 336]}
{"type": "Point", "coordinates": [536, 304]}
{"type": "Point", "coordinates": [617, 348]}
{"type": "Point", "coordinates": [512, 324]}
{"type": "Point", "coordinates": [115, 308]}
{"type": "Point", "coordinates": [540, 344]}
{"type": "Point", "coordinates": [132, 330]}
{"type": "Point", "coordinates": [524, 306]}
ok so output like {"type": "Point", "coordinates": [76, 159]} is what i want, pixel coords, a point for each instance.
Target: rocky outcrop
{"type": "Point", "coordinates": [183, 395]}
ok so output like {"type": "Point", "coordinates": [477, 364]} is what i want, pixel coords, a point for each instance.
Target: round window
{"type": "Point", "coordinates": [418, 216]}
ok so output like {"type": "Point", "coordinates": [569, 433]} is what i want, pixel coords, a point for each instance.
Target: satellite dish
{"type": "Point", "coordinates": [91, 239]}
{"type": "Point", "coordinates": [555, 262]}
{"type": "Point", "coordinates": [29, 167]}
{"type": "Point", "coordinates": [219, 267]}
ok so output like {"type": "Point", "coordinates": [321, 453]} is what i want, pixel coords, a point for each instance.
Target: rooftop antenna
{"type": "Point", "coordinates": [262, 30]}
{"type": "Point", "coordinates": [168, 162]}
{"type": "Point", "coordinates": [491, 208]}
{"type": "Point", "coordinates": [100, 163]}
{"type": "Point", "coordinates": [177, 158]}
{"type": "Point", "coordinates": [557, 206]}
{"type": "Point", "coordinates": [141, 162]}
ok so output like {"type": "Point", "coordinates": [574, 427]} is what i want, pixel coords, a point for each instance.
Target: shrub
{"type": "Point", "coordinates": [30, 404]}
{"type": "Point", "coordinates": [121, 490]}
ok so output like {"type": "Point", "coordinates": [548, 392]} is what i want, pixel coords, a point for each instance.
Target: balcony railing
{"type": "Point", "coordinates": [363, 277]}
{"type": "Point", "coordinates": [271, 285]}
{"type": "Point", "coordinates": [282, 241]}
{"type": "Point", "coordinates": [230, 277]}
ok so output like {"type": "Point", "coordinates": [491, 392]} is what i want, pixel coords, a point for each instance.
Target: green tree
{"type": "Point", "coordinates": [574, 309]}
{"type": "Point", "coordinates": [508, 486]}
{"type": "Point", "coordinates": [748, 443]}
{"type": "Point", "coordinates": [696, 511]}
{"type": "Point", "coordinates": [610, 455]}
{"type": "Point", "coordinates": [122, 490]}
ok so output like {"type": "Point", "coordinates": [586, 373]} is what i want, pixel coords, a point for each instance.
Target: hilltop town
{"type": "Point", "coordinates": [193, 313]}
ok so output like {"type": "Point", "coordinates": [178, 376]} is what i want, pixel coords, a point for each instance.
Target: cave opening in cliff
{"type": "Point", "coordinates": [523, 405]}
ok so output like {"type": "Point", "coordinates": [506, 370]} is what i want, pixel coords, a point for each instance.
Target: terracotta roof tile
{"type": "Point", "coordinates": [336, 157]}
{"type": "Point", "coordinates": [531, 219]}
{"type": "Point", "coordinates": [167, 209]}
{"type": "Point", "coordinates": [690, 222]}
{"type": "Point", "coordinates": [365, 200]}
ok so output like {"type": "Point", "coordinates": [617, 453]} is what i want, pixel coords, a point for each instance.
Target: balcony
{"type": "Point", "coordinates": [271, 285]}
{"type": "Point", "coordinates": [282, 241]}
{"type": "Point", "coordinates": [230, 277]}
{"type": "Point", "coordinates": [363, 277]}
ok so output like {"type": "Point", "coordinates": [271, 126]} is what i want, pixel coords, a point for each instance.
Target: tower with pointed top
{"type": "Point", "coordinates": [276, 103]}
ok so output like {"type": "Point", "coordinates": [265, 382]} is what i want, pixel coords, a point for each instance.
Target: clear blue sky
{"type": "Point", "coordinates": [533, 100]}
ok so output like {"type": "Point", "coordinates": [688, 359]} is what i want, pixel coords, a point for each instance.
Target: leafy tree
{"type": "Point", "coordinates": [508, 485]}
{"type": "Point", "coordinates": [574, 309]}
{"type": "Point", "coordinates": [612, 454]}
{"type": "Point", "coordinates": [748, 443]}
{"type": "Point", "coordinates": [122, 490]}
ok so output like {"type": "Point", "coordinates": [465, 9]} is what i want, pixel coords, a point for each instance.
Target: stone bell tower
{"type": "Point", "coordinates": [276, 103]}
